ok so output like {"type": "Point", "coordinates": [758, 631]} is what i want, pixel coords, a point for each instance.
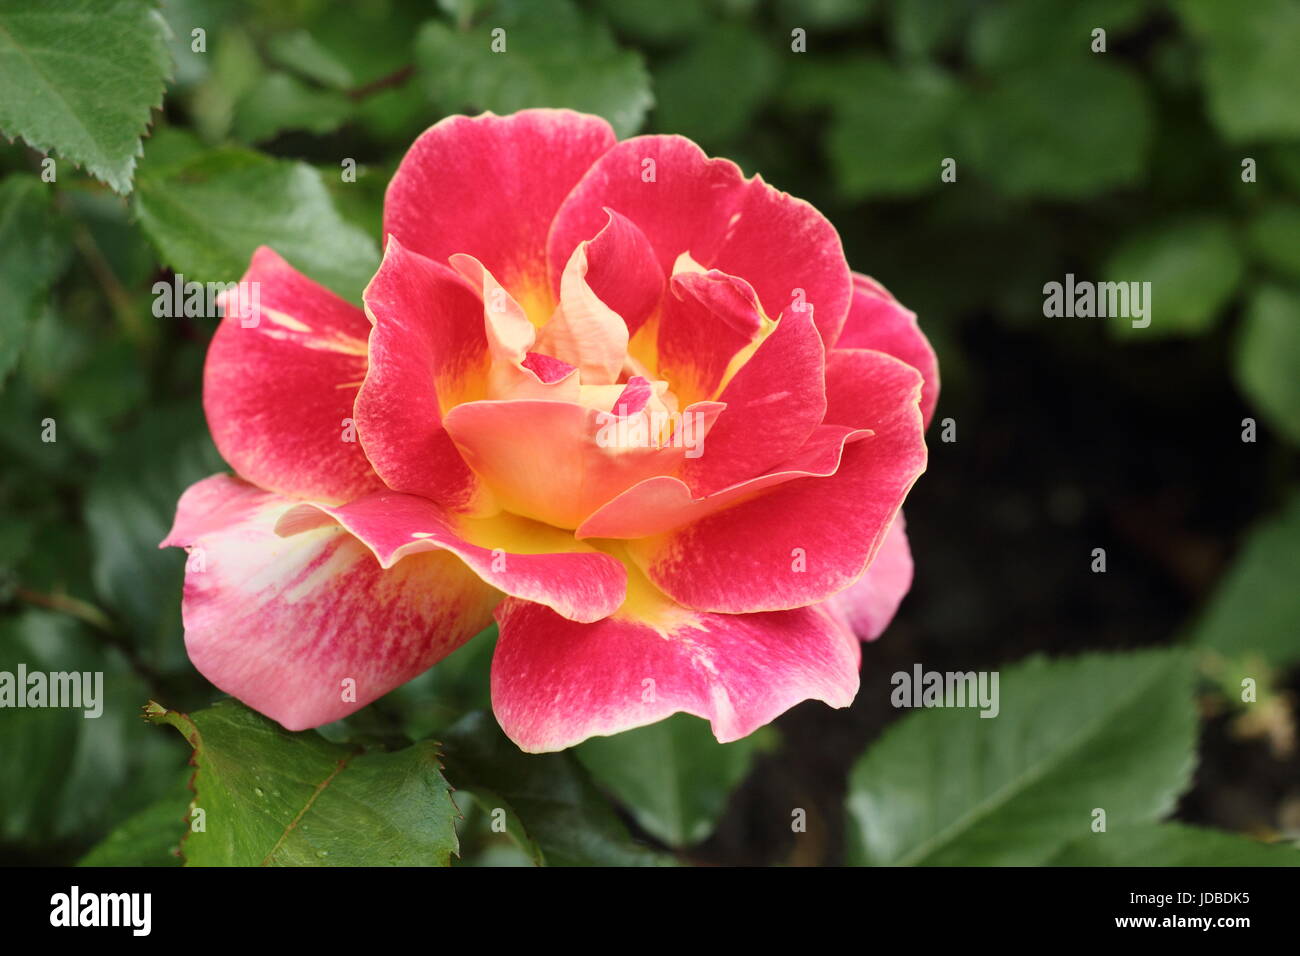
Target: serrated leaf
{"type": "Point", "coordinates": [673, 776]}
{"type": "Point", "coordinates": [1020, 138]}
{"type": "Point", "coordinates": [553, 56]}
{"type": "Point", "coordinates": [151, 837]}
{"type": "Point", "coordinates": [1194, 267]}
{"type": "Point", "coordinates": [948, 787]}
{"type": "Point", "coordinates": [34, 247]}
{"type": "Point", "coordinates": [1248, 65]}
{"type": "Point", "coordinates": [80, 77]}
{"type": "Point", "coordinates": [1268, 355]}
{"type": "Point", "coordinates": [207, 215]}
{"type": "Point", "coordinates": [566, 820]}
{"type": "Point", "coordinates": [274, 798]}
{"type": "Point", "coordinates": [1172, 844]}
{"type": "Point", "coordinates": [1255, 609]}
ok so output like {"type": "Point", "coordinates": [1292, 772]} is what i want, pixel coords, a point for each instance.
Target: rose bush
{"type": "Point", "coordinates": [628, 402]}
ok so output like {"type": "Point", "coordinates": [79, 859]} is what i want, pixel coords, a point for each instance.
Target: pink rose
{"type": "Point", "coordinates": [629, 402]}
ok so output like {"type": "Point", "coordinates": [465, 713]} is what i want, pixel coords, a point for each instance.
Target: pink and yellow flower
{"type": "Point", "coordinates": [544, 288]}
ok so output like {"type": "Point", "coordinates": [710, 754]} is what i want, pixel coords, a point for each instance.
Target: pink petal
{"type": "Point", "coordinates": [556, 683]}
{"type": "Point", "coordinates": [279, 385]}
{"type": "Point", "coordinates": [489, 186]}
{"type": "Point", "coordinates": [520, 557]}
{"type": "Point", "coordinates": [547, 460]}
{"type": "Point", "coordinates": [623, 272]}
{"type": "Point", "coordinates": [707, 322]}
{"type": "Point", "coordinates": [869, 605]}
{"type": "Point", "coordinates": [707, 208]}
{"type": "Point", "coordinates": [291, 625]}
{"type": "Point", "coordinates": [774, 403]}
{"type": "Point", "coordinates": [664, 503]}
{"type": "Point", "coordinates": [877, 321]}
{"type": "Point", "coordinates": [428, 352]}
{"type": "Point", "coordinates": [584, 331]}
{"type": "Point", "coordinates": [804, 540]}
{"type": "Point", "coordinates": [511, 336]}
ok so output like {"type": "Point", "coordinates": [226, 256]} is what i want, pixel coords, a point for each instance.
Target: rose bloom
{"type": "Point", "coordinates": [629, 403]}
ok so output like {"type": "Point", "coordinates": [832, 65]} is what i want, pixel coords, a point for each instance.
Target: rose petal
{"type": "Point", "coordinates": [556, 683]}
{"type": "Point", "coordinates": [709, 324]}
{"type": "Point", "coordinates": [623, 272]}
{"type": "Point", "coordinates": [685, 202]}
{"type": "Point", "coordinates": [520, 557]}
{"type": "Point", "coordinates": [279, 385]}
{"type": "Point", "coordinates": [489, 186]}
{"type": "Point", "coordinates": [806, 539]}
{"type": "Point", "coordinates": [310, 628]}
{"type": "Point", "coordinates": [428, 352]}
{"type": "Point", "coordinates": [774, 403]}
{"type": "Point", "coordinates": [584, 331]}
{"type": "Point", "coordinates": [869, 605]}
{"type": "Point", "coordinates": [877, 321]}
{"type": "Point", "coordinates": [557, 462]}
{"type": "Point", "coordinates": [664, 503]}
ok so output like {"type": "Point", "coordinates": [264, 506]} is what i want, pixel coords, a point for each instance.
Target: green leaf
{"type": "Point", "coordinates": [281, 102]}
{"type": "Point", "coordinates": [547, 797]}
{"type": "Point", "coordinates": [1194, 267]}
{"type": "Point", "coordinates": [34, 246]}
{"type": "Point", "coordinates": [299, 50]}
{"type": "Point", "coordinates": [1248, 65]}
{"type": "Point", "coordinates": [80, 77]}
{"type": "Point", "coordinates": [1172, 844]}
{"type": "Point", "coordinates": [129, 506]}
{"type": "Point", "coordinates": [947, 787]}
{"type": "Point", "coordinates": [1268, 355]}
{"type": "Point", "coordinates": [236, 68]}
{"type": "Point", "coordinates": [1025, 32]}
{"type": "Point", "coordinates": [206, 215]}
{"type": "Point", "coordinates": [65, 775]}
{"type": "Point", "coordinates": [151, 837]}
{"type": "Point", "coordinates": [274, 798]}
{"type": "Point", "coordinates": [736, 66]}
{"type": "Point", "coordinates": [673, 776]}
{"type": "Point", "coordinates": [657, 21]}
{"type": "Point", "coordinates": [823, 14]}
{"type": "Point", "coordinates": [1255, 609]}
{"type": "Point", "coordinates": [554, 56]}
{"type": "Point", "coordinates": [1021, 138]}
{"type": "Point", "coordinates": [922, 26]}
{"type": "Point", "coordinates": [892, 129]}
{"type": "Point", "coordinates": [1274, 237]}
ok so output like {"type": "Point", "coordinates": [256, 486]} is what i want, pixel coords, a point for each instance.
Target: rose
{"type": "Point", "coordinates": [406, 472]}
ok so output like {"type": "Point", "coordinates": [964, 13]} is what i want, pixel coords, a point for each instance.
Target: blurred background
{"type": "Point", "coordinates": [1172, 157]}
